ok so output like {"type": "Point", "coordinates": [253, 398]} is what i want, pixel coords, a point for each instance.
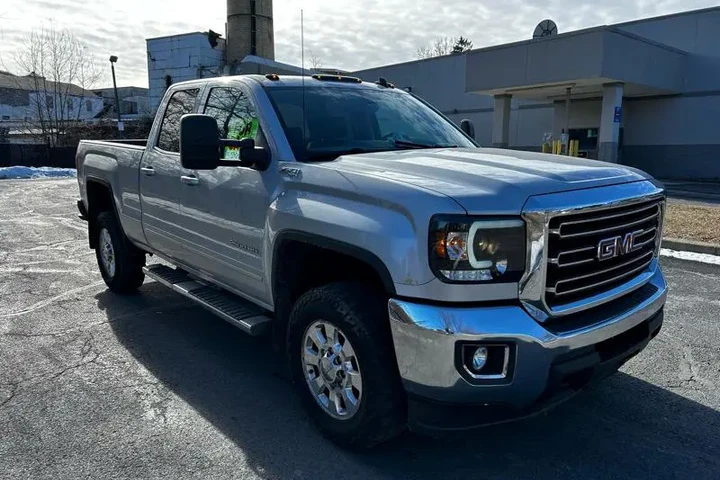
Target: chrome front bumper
{"type": "Point", "coordinates": [426, 339]}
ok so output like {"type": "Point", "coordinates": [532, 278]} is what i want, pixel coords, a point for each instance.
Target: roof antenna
{"type": "Point", "coordinates": [302, 66]}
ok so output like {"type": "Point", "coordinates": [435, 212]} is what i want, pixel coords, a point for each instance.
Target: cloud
{"type": "Point", "coordinates": [349, 34]}
{"type": "Point", "coordinates": [358, 35]}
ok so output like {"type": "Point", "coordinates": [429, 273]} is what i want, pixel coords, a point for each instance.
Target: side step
{"type": "Point", "coordinates": [238, 311]}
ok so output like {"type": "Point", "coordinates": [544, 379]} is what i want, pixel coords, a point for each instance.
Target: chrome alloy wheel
{"type": "Point", "coordinates": [332, 370]}
{"type": "Point", "coordinates": [107, 252]}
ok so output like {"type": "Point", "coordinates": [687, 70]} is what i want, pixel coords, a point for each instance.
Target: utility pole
{"type": "Point", "coordinates": [121, 127]}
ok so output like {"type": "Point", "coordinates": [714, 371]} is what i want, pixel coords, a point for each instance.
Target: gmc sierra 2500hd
{"type": "Point", "coordinates": [412, 278]}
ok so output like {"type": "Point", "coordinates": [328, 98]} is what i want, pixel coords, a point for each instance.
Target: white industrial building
{"type": "Point", "coordinates": [133, 102]}
{"type": "Point", "coordinates": [200, 55]}
{"type": "Point", "coordinates": [178, 58]}
{"type": "Point", "coordinates": [644, 93]}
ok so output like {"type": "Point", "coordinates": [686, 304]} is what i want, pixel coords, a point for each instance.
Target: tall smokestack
{"type": "Point", "coordinates": [249, 30]}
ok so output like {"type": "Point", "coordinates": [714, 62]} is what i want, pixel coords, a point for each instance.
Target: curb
{"type": "Point", "coordinates": [698, 196]}
{"type": "Point", "coordinates": [691, 246]}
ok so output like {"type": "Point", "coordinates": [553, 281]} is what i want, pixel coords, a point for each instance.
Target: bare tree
{"type": "Point", "coordinates": [315, 61]}
{"type": "Point", "coordinates": [440, 46]}
{"type": "Point", "coordinates": [58, 70]}
{"type": "Point", "coordinates": [444, 46]}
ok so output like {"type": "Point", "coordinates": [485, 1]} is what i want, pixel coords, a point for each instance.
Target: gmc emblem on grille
{"type": "Point", "coordinates": [616, 246]}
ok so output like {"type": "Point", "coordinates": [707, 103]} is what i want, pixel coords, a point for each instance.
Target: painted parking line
{"type": "Point", "coordinates": [693, 257]}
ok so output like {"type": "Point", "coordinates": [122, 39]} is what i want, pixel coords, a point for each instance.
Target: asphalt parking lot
{"type": "Point", "coordinates": [93, 385]}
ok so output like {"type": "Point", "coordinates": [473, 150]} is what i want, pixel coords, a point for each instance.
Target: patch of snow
{"type": "Point", "coordinates": [36, 172]}
{"type": "Point", "coordinates": [691, 256]}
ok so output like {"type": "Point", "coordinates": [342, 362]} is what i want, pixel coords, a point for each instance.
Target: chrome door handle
{"type": "Point", "coordinates": [148, 171]}
{"type": "Point", "coordinates": [189, 180]}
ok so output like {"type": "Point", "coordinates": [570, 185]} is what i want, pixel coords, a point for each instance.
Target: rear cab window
{"type": "Point", "coordinates": [181, 103]}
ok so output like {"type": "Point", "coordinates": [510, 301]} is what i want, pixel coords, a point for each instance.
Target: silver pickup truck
{"type": "Point", "coordinates": [411, 278]}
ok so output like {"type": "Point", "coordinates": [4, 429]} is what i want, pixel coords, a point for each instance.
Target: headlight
{"type": "Point", "coordinates": [474, 250]}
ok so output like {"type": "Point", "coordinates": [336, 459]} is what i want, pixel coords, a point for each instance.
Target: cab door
{"type": "Point", "coordinates": [223, 211]}
{"type": "Point", "coordinates": [161, 176]}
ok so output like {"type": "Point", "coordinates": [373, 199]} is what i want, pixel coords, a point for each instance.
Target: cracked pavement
{"type": "Point", "coordinates": [94, 385]}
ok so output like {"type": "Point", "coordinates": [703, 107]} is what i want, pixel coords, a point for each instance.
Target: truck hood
{"type": "Point", "coordinates": [487, 180]}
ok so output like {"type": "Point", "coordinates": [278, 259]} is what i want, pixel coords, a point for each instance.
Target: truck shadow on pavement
{"type": "Point", "coordinates": [623, 428]}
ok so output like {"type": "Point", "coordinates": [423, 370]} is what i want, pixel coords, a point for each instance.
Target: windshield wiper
{"type": "Point", "coordinates": [405, 143]}
{"type": "Point", "coordinates": [313, 156]}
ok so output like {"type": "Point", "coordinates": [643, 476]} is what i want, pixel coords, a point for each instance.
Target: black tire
{"type": "Point", "coordinates": [129, 261]}
{"type": "Point", "coordinates": [360, 312]}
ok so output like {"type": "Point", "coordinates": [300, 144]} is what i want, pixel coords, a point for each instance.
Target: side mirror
{"type": "Point", "coordinates": [199, 142]}
{"type": "Point", "coordinates": [468, 127]}
{"type": "Point", "coordinates": [201, 147]}
{"type": "Point", "coordinates": [251, 155]}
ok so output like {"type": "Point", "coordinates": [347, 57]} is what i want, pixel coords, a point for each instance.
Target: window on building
{"type": "Point", "coordinates": [182, 102]}
{"type": "Point", "coordinates": [6, 117]}
{"type": "Point", "coordinates": [88, 105]}
{"type": "Point", "coordinates": [69, 104]}
{"type": "Point", "coordinates": [50, 101]}
{"type": "Point", "coordinates": [236, 116]}
{"type": "Point", "coordinates": [128, 107]}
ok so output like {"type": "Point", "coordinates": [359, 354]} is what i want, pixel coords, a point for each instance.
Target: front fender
{"type": "Point", "coordinates": [385, 236]}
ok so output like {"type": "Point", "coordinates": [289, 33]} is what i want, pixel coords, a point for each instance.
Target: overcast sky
{"type": "Point", "coordinates": [348, 34]}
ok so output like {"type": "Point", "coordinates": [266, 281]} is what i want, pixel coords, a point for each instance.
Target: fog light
{"type": "Point", "coordinates": [479, 358]}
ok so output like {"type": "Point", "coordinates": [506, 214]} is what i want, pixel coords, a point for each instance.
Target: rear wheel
{"type": "Point", "coordinates": [343, 364]}
{"type": "Point", "coordinates": [120, 262]}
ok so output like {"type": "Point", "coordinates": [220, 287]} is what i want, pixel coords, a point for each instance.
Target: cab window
{"type": "Point", "coordinates": [236, 116]}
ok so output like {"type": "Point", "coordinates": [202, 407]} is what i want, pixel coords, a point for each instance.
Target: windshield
{"type": "Point", "coordinates": [340, 121]}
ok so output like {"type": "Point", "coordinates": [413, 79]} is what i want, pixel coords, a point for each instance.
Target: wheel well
{"type": "Point", "coordinates": [299, 265]}
{"type": "Point", "coordinates": [99, 198]}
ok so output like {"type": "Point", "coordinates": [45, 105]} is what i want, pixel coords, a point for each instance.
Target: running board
{"type": "Point", "coordinates": [240, 312]}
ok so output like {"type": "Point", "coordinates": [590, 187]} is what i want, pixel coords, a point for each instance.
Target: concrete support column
{"type": "Point", "coordinates": [567, 110]}
{"type": "Point", "coordinates": [610, 119]}
{"type": "Point", "coordinates": [501, 121]}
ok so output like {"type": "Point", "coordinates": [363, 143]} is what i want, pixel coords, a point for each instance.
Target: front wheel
{"type": "Point", "coordinates": [120, 262]}
{"type": "Point", "coordinates": [343, 364]}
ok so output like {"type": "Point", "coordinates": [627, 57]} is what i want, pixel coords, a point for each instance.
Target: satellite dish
{"type": "Point", "coordinates": [545, 28]}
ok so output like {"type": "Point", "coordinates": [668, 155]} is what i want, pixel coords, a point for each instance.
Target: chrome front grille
{"type": "Point", "coordinates": [567, 230]}
{"type": "Point", "coordinates": [624, 235]}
